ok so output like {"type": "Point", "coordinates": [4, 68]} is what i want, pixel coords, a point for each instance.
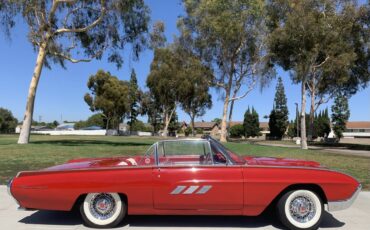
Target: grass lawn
{"type": "Point", "coordinates": [44, 151]}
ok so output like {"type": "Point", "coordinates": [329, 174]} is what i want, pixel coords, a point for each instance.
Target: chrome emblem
{"type": "Point", "coordinates": [194, 189]}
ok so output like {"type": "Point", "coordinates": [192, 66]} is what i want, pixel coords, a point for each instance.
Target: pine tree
{"type": "Point", "coordinates": [133, 99]}
{"type": "Point", "coordinates": [247, 122]}
{"type": "Point", "coordinates": [278, 122]}
{"type": "Point", "coordinates": [255, 124]}
{"type": "Point", "coordinates": [340, 114]}
{"type": "Point", "coordinates": [322, 122]}
{"type": "Point", "coordinates": [251, 123]}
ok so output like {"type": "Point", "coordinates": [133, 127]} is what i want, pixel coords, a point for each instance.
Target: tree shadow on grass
{"type": "Point", "coordinates": [362, 147]}
{"type": "Point", "coordinates": [264, 220]}
{"type": "Point", "coordinates": [66, 142]}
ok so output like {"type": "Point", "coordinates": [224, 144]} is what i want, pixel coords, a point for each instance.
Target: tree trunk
{"type": "Point", "coordinates": [312, 116]}
{"type": "Point", "coordinates": [24, 136]}
{"type": "Point", "coordinates": [303, 116]}
{"type": "Point", "coordinates": [107, 126]}
{"type": "Point", "coordinates": [192, 125]}
{"type": "Point", "coordinates": [224, 118]}
{"type": "Point", "coordinates": [167, 120]}
{"type": "Point", "coordinates": [312, 113]}
{"type": "Point", "coordinates": [231, 113]}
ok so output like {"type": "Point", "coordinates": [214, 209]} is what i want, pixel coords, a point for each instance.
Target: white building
{"type": "Point", "coordinates": [357, 129]}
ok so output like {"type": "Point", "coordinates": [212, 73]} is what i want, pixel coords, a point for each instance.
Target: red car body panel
{"type": "Point", "coordinates": [240, 189]}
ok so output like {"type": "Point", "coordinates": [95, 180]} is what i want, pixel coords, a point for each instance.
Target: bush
{"type": "Point", "coordinates": [237, 131]}
{"type": "Point", "coordinates": [140, 126]}
{"type": "Point", "coordinates": [199, 131]}
{"type": "Point", "coordinates": [187, 131]}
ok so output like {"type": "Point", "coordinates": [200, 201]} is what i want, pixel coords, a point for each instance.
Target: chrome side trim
{"type": "Point", "coordinates": [344, 204]}
{"type": "Point", "coordinates": [178, 190]}
{"type": "Point", "coordinates": [204, 189]}
{"type": "Point", "coordinates": [191, 189]}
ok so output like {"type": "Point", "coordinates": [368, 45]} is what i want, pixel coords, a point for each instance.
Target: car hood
{"type": "Point", "coordinates": [86, 163]}
{"type": "Point", "coordinates": [284, 162]}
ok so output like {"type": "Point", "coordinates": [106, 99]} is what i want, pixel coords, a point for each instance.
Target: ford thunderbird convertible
{"type": "Point", "coordinates": [187, 177]}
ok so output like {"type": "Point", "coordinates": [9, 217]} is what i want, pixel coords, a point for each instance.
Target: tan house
{"type": "Point", "coordinates": [211, 128]}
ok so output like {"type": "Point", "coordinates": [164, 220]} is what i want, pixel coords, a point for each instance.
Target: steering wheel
{"type": "Point", "coordinates": [219, 158]}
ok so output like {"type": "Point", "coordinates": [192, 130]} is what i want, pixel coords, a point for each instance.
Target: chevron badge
{"type": "Point", "coordinates": [193, 189]}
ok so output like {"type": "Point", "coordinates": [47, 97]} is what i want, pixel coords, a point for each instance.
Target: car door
{"type": "Point", "coordinates": [187, 179]}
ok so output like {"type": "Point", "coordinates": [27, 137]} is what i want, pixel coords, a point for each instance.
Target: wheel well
{"type": "Point", "coordinates": [311, 187]}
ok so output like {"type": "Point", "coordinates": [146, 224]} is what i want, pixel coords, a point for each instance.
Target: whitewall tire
{"type": "Point", "coordinates": [103, 210]}
{"type": "Point", "coordinates": [300, 209]}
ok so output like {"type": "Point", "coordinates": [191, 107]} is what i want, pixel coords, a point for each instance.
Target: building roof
{"type": "Point", "coordinates": [204, 125]}
{"type": "Point", "coordinates": [358, 125]}
{"type": "Point", "coordinates": [262, 124]}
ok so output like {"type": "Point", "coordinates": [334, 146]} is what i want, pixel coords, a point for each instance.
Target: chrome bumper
{"type": "Point", "coordinates": [344, 204]}
{"type": "Point", "coordinates": [9, 187]}
{"type": "Point", "coordinates": [10, 192]}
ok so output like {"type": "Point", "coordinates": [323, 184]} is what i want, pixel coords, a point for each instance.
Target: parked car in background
{"type": "Point", "coordinates": [187, 177]}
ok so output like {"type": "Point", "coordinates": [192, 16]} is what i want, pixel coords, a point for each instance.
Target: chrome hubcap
{"type": "Point", "coordinates": [302, 209]}
{"type": "Point", "coordinates": [102, 206]}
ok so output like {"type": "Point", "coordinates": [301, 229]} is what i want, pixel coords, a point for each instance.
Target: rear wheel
{"type": "Point", "coordinates": [103, 210]}
{"type": "Point", "coordinates": [300, 209]}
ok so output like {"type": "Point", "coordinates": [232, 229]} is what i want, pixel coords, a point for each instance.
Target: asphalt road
{"type": "Point", "coordinates": [357, 217]}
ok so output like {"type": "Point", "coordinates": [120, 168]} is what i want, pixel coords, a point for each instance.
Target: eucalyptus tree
{"type": "Point", "coordinates": [229, 37]}
{"type": "Point", "coordinates": [151, 107]}
{"type": "Point", "coordinates": [109, 95]}
{"type": "Point", "coordinates": [163, 84]}
{"type": "Point", "coordinates": [75, 31]}
{"type": "Point", "coordinates": [193, 85]}
{"type": "Point", "coordinates": [322, 44]}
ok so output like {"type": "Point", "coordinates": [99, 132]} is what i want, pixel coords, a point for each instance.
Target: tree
{"type": "Point", "coordinates": [292, 132]}
{"type": "Point", "coordinates": [97, 119]}
{"type": "Point", "coordinates": [8, 122]}
{"type": "Point", "coordinates": [163, 82]}
{"type": "Point", "coordinates": [251, 123]}
{"type": "Point", "coordinates": [193, 86]}
{"type": "Point", "coordinates": [278, 122]}
{"type": "Point", "coordinates": [108, 95]}
{"type": "Point", "coordinates": [134, 97]}
{"type": "Point", "coordinates": [174, 124]}
{"type": "Point", "coordinates": [217, 120]}
{"type": "Point", "coordinates": [152, 108]}
{"type": "Point", "coordinates": [340, 114]}
{"type": "Point", "coordinates": [326, 54]}
{"type": "Point", "coordinates": [323, 124]}
{"type": "Point", "coordinates": [237, 131]}
{"type": "Point", "coordinates": [140, 126]}
{"type": "Point", "coordinates": [228, 36]}
{"type": "Point", "coordinates": [60, 30]}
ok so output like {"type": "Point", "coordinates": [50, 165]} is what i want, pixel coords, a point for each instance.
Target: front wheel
{"type": "Point", "coordinates": [300, 209]}
{"type": "Point", "coordinates": [103, 210]}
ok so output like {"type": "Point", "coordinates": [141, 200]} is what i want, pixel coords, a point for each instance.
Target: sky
{"type": "Point", "coordinates": [60, 91]}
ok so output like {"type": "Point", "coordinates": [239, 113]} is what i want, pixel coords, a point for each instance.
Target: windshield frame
{"type": "Point", "coordinates": [226, 152]}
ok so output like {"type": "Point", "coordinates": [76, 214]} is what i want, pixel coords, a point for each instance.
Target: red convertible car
{"type": "Point", "coordinates": [187, 177]}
